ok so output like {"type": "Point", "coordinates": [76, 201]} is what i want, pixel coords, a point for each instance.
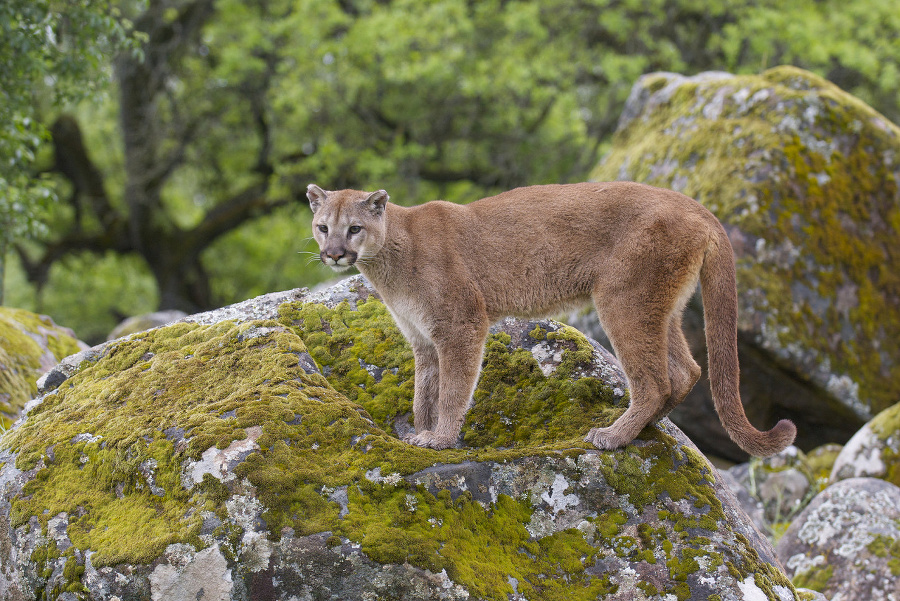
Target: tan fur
{"type": "Point", "coordinates": [447, 271]}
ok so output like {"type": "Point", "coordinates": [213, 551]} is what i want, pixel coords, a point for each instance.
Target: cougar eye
{"type": "Point", "coordinates": [323, 229]}
{"type": "Point", "coordinates": [354, 229]}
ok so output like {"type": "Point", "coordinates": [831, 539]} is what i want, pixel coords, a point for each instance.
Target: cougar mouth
{"type": "Point", "coordinates": [342, 263]}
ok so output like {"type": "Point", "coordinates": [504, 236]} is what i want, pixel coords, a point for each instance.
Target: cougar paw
{"type": "Point", "coordinates": [430, 440]}
{"type": "Point", "coordinates": [605, 439]}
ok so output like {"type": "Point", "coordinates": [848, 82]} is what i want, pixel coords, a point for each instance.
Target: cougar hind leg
{"type": "Point", "coordinates": [683, 370]}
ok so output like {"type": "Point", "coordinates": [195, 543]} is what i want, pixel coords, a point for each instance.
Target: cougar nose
{"type": "Point", "coordinates": [335, 255]}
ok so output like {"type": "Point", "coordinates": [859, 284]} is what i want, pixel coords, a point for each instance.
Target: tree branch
{"type": "Point", "coordinates": [227, 215]}
{"type": "Point", "coordinates": [72, 161]}
{"type": "Point", "coordinates": [111, 237]}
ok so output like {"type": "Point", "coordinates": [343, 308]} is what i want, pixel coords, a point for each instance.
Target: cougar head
{"type": "Point", "coordinates": [348, 225]}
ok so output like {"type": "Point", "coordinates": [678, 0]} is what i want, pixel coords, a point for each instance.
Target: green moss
{"type": "Point", "coordinates": [795, 163]}
{"type": "Point", "coordinates": [480, 548]}
{"type": "Point", "coordinates": [648, 589]}
{"type": "Point", "coordinates": [815, 579]}
{"type": "Point", "coordinates": [515, 404]}
{"type": "Point", "coordinates": [662, 470]}
{"type": "Point", "coordinates": [538, 333]}
{"type": "Point", "coordinates": [580, 352]}
{"type": "Point", "coordinates": [610, 523]}
{"type": "Point", "coordinates": [21, 356]}
{"type": "Point", "coordinates": [122, 490]}
{"type": "Point", "coordinates": [212, 384]}
{"type": "Point", "coordinates": [886, 547]}
{"type": "Point", "coordinates": [344, 341]}
{"type": "Point", "coordinates": [886, 426]}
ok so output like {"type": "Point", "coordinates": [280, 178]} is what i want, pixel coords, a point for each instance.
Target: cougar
{"type": "Point", "coordinates": [447, 271]}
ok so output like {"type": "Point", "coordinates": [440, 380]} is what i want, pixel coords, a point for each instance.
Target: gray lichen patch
{"type": "Point", "coordinates": [846, 543]}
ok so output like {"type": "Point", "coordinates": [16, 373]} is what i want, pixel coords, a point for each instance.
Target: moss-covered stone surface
{"type": "Point", "coordinates": [30, 344]}
{"type": "Point", "coordinates": [805, 178]}
{"type": "Point", "coordinates": [257, 458]}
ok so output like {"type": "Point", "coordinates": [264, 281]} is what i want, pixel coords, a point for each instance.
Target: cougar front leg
{"type": "Point", "coordinates": [459, 366]}
{"type": "Point", "coordinates": [425, 400]}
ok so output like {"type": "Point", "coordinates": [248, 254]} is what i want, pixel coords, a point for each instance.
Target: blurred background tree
{"type": "Point", "coordinates": [185, 188]}
{"type": "Point", "coordinates": [48, 57]}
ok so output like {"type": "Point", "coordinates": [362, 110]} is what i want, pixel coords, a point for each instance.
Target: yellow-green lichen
{"type": "Point", "coordinates": [26, 341]}
{"type": "Point", "coordinates": [807, 174]}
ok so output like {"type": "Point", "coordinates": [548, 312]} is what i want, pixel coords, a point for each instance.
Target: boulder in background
{"type": "Point", "coordinates": [805, 179]}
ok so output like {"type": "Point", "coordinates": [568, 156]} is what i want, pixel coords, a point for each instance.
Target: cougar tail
{"type": "Point", "coordinates": [717, 279]}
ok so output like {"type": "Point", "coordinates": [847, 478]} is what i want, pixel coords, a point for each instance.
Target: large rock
{"type": "Point", "coordinates": [30, 344]}
{"type": "Point", "coordinates": [846, 543]}
{"type": "Point", "coordinates": [258, 458]}
{"type": "Point", "coordinates": [147, 321]}
{"type": "Point", "coordinates": [805, 179]}
{"type": "Point", "coordinates": [874, 451]}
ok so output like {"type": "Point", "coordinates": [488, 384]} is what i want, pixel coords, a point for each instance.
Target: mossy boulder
{"type": "Point", "coordinates": [846, 543]}
{"type": "Point", "coordinates": [30, 345]}
{"type": "Point", "coordinates": [253, 453]}
{"type": "Point", "coordinates": [874, 451]}
{"type": "Point", "coordinates": [805, 178]}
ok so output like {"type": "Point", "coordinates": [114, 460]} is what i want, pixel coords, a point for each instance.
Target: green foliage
{"type": "Point", "coordinates": [53, 53]}
{"type": "Point", "coordinates": [443, 99]}
{"type": "Point", "coordinates": [73, 294]}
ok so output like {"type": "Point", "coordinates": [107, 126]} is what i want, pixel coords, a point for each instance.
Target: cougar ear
{"type": "Point", "coordinates": [376, 201]}
{"type": "Point", "coordinates": [316, 196]}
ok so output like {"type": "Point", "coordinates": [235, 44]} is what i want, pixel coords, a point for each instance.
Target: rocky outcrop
{"type": "Point", "coordinates": [874, 451]}
{"type": "Point", "coordinates": [253, 453]}
{"type": "Point", "coordinates": [804, 177]}
{"type": "Point", "coordinates": [846, 543]}
{"type": "Point", "coordinates": [30, 344]}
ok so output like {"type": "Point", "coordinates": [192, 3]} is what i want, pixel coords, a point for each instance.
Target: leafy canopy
{"type": "Point", "coordinates": [448, 99]}
{"type": "Point", "coordinates": [50, 53]}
